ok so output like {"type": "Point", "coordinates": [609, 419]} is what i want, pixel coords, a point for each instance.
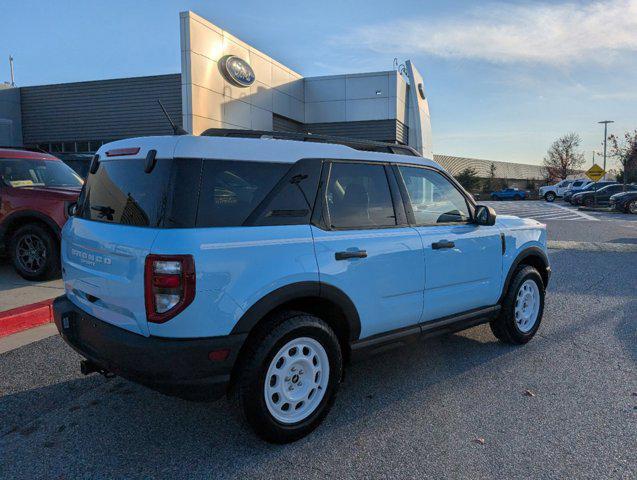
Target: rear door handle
{"type": "Point", "coordinates": [442, 244]}
{"type": "Point", "coordinates": [350, 254]}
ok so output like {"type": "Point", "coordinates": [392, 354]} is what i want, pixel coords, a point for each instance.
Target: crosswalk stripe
{"type": "Point", "coordinates": [540, 211]}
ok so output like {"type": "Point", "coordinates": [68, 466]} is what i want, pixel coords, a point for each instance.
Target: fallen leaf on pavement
{"type": "Point", "coordinates": [479, 440]}
{"type": "Point", "coordinates": [529, 393]}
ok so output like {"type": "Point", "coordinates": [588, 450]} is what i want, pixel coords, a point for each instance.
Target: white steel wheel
{"type": "Point", "coordinates": [527, 306]}
{"type": "Point", "coordinates": [297, 380]}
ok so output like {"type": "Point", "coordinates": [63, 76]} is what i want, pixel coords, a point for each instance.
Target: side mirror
{"type": "Point", "coordinates": [71, 209]}
{"type": "Point", "coordinates": [485, 215]}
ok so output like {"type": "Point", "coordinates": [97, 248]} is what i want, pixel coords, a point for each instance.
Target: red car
{"type": "Point", "coordinates": [35, 192]}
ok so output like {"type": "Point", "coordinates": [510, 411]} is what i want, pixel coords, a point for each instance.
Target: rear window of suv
{"type": "Point", "coordinates": [186, 193]}
{"type": "Point", "coordinates": [122, 192]}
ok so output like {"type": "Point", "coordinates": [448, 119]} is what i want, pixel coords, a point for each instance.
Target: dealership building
{"type": "Point", "coordinates": [224, 83]}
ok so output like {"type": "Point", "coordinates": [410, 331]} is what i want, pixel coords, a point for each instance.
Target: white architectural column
{"type": "Point", "coordinates": [419, 120]}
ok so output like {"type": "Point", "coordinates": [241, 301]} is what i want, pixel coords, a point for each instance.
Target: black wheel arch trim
{"type": "Point", "coordinates": [296, 291]}
{"type": "Point", "coordinates": [532, 251]}
{"type": "Point", "coordinates": [9, 221]}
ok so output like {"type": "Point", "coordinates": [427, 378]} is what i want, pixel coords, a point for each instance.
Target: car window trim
{"type": "Point", "coordinates": [407, 203]}
{"type": "Point", "coordinates": [324, 223]}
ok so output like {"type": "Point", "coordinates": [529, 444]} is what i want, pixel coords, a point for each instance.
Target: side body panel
{"type": "Point", "coordinates": [386, 286]}
{"type": "Point", "coordinates": [47, 205]}
{"type": "Point", "coordinates": [235, 267]}
{"type": "Point", "coordinates": [464, 277]}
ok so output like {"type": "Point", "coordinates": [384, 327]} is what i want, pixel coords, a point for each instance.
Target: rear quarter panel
{"type": "Point", "coordinates": [235, 267]}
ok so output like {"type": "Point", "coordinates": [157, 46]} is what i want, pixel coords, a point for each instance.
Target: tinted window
{"type": "Point", "coordinates": [358, 196]}
{"type": "Point", "coordinates": [291, 201]}
{"type": "Point", "coordinates": [121, 192]}
{"type": "Point", "coordinates": [433, 198]}
{"type": "Point", "coordinates": [20, 173]}
{"type": "Point", "coordinates": [609, 189]}
{"type": "Point", "coordinates": [232, 190]}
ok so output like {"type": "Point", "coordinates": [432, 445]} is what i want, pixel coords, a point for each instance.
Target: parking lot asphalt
{"type": "Point", "coordinates": [456, 406]}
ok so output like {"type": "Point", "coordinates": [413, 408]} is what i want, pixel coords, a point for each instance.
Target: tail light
{"type": "Point", "coordinates": [169, 285]}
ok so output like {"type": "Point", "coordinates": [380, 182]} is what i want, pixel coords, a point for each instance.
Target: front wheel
{"type": "Point", "coordinates": [522, 308]}
{"type": "Point", "coordinates": [34, 252]}
{"type": "Point", "coordinates": [549, 197]}
{"type": "Point", "coordinates": [289, 377]}
{"type": "Point", "coordinates": [589, 202]}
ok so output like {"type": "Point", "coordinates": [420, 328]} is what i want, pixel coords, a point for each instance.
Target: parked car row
{"type": "Point", "coordinates": [598, 194]}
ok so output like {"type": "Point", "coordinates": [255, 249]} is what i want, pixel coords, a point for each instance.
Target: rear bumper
{"type": "Point", "coordinates": [178, 367]}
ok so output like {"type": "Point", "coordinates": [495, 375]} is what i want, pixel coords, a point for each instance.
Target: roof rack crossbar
{"type": "Point", "coordinates": [355, 143]}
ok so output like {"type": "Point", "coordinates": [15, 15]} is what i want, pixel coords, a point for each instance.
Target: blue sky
{"type": "Point", "coordinates": [503, 78]}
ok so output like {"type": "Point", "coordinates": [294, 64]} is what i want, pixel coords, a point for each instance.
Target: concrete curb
{"type": "Point", "coordinates": [25, 317]}
{"type": "Point", "coordinates": [592, 246]}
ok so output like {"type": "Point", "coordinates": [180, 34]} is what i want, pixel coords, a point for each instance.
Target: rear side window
{"type": "Point", "coordinates": [121, 192]}
{"type": "Point", "coordinates": [358, 196]}
{"type": "Point", "coordinates": [235, 193]}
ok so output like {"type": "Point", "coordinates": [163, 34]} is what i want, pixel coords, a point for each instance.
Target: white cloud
{"type": "Point", "coordinates": [553, 34]}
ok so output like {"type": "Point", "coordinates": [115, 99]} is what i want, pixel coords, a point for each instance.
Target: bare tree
{"type": "Point", "coordinates": [563, 158]}
{"type": "Point", "coordinates": [491, 184]}
{"type": "Point", "coordinates": [625, 151]}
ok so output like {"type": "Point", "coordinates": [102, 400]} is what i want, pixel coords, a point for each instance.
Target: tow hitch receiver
{"type": "Point", "coordinates": [87, 367]}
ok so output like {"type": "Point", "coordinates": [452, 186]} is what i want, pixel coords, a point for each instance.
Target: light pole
{"type": "Point", "coordinates": [605, 122]}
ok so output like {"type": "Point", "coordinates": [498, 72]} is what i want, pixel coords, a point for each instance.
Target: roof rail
{"type": "Point", "coordinates": [355, 143]}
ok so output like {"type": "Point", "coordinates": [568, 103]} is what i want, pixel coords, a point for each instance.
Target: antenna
{"type": "Point", "coordinates": [177, 130]}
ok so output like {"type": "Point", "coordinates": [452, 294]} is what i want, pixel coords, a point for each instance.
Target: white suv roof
{"type": "Point", "coordinates": [251, 149]}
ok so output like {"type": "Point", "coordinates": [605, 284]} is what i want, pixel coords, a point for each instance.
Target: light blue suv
{"type": "Point", "coordinates": [201, 266]}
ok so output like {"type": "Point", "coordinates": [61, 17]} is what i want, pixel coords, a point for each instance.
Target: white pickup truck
{"type": "Point", "coordinates": [551, 192]}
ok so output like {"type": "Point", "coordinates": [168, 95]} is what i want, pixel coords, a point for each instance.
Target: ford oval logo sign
{"type": "Point", "coordinates": [237, 71]}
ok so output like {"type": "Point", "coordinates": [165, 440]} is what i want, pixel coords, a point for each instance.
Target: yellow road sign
{"type": "Point", "coordinates": [595, 173]}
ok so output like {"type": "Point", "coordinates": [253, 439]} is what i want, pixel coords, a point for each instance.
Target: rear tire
{"type": "Point", "coordinates": [632, 207]}
{"type": "Point", "coordinates": [522, 308]}
{"type": "Point", "coordinates": [549, 197]}
{"type": "Point", "coordinates": [35, 252]}
{"type": "Point", "coordinates": [288, 377]}
{"type": "Point", "coordinates": [517, 198]}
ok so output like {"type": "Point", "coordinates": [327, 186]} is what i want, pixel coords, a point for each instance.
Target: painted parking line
{"type": "Point", "coordinates": [578, 212]}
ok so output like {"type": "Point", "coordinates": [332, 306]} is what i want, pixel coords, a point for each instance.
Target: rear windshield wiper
{"type": "Point", "coordinates": [104, 211]}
